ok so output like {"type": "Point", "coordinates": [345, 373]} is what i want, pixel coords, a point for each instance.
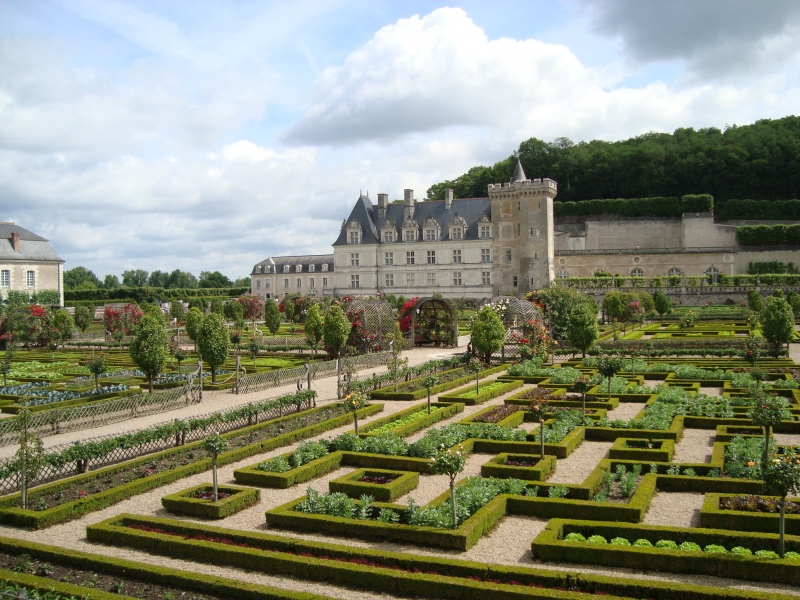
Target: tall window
{"type": "Point", "coordinates": [354, 260]}
{"type": "Point", "coordinates": [258, 283]}
{"type": "Point", "coordinates": [457, 257]}
{"type": "Point", "coordinates": [299, 282]}
{"type": "Point", "coordinates": [5, 278]}
{"type": "Point", "coordinates": [456, 233]}
{"type": "Point", "coordinates": [457, 278]}
{"type": "Point", "coordinates": [286, 282]}
{"type": "Point", "coordinates": [311, 268]}
{"type": "Point", "coordinates": [637, 272]}
{"type": "Point", "coordinates": [486, 255]}
{"type": "Point", "coordinates": [430, 235]}
{"type": "Point", "coordinates": [299, 269]}
{"type": "Point", "coordinates": [285, 268]}
{"type": "Point", "coordinates": [389, 279]}
{"type": "Point", "coordinates": [354, 237]}
{"type": "Point", "coordinates": [388, 236]}
{"type": "Point", "coordinates": [508, 256]}
{"type": "Point", "coordinates": [431, 279]}
{"type": "Point", "coordinates": [325, 267]}
{"type": "Point", "coordinates": [388, 258]}
{"type": "Point", "coordinates": [30, 279]}
{"type": "Point", "coordinates": [486, 278]}
{"type": "Point", "coordinates": [324, 282]}
{"type": "Point", "coordinates": [410, 258]}
{"type": "Point", "coordinates": [311, 282]}
{"type": "Point", "coordinates": [711, 272]}
{"type": "Point", "coordinates": [486, 231]}
{"type": "Point", "coordinates": [410, 235]}
{"type": "Point", "coordinates": [266, 283]}
{"type": "Point", "coordinates": [410, 279]}
{"type": "Point", "coordinates": [515, 281]}
{"type": "Point", "coordinates": [354, 281]}
{"type": "Point", "coordinates": [431, 257]}
{"type": "Point", "coordinates": [674, 272]}
{"type": "Point", "coordinates": [562, 274]}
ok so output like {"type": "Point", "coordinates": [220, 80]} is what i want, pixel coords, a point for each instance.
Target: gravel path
{"type": "Point", "coordinates": [625, 411]}
{"type": "Point", "coordinates": [676, 509]}
{"type": "Point", "coordinates": [695, 446]}
{"type": "Point", "coordinates": [577, 466]}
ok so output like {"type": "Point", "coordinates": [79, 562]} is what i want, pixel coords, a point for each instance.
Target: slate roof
{"type": "Point", "coordinates": [366, 213]}
{"type": "Point", "coordinates": [309, 259]}
{"type": "Point", "coordinates": [31, 246]}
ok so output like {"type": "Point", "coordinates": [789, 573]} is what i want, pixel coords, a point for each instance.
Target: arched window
{"type": "Point", "coordinates": [713, 274]}
{"type": "Point", "coordinates": [562, 274]}
{"type": "Point", "coordinates": [675, 272]}
{"type": "Point", "coordinates": [637, 272]}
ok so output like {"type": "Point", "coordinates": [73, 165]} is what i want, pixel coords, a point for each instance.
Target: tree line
{"type": "Point", "coordinates": [759, 161]}
{"type": "Point", "coordinates": [81, 278]}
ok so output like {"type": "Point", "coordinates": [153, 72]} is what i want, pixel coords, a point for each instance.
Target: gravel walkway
{"type": "Point", "coordinates": [625, 411]}
{"type": "Point", "coordinates": [676, 509]}
{"type": "Point", "coordinates": [577, 466]}
{"type": "Point", "coordinates": [695, 446]}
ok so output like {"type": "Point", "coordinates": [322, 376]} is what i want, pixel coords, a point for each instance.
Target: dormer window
{"type": "Point", "coordinates": [285, 268]}
{"type": "Point", "coordinates": [431, 235]}
{"type": "Point", "coordinates": [388, 230]}
{"type": "Point", "coordinates": [410, 235]}
{"type": "Point", "coordinates": [325, 267]}
{"type": "Point", "coordinates": [388, 236]}
{"type": "Point", "coordinates": [310, 268]}
{"type": "Point", "coordinates": [431, 227]}
{"type": "Point", "coordinates": [354, 232]}
{"type": "Point", "coordinates": [455, 233]}
{"type": "Point", "coordinates": [299, 268]}
{"type": "Point", "coordinates": [355, 237]}
{"type": "Point", "coordinates": [457, 227]}
{"type": "Point", "coordinates": [258, 269]}
{"type": "Point", "coordinates": [484, 227]}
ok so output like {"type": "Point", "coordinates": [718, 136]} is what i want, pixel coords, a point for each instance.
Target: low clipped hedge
{"type": "Point", "coordinates": [739, 520]}
{"type": "Point", "coordinates": [513, 420]}
{"type": "Point", "coordinates": [480, 397]}
{"type": "Point", "coordinates": [497, 467]}
{"type": "Point", "coordinates": [45, 584]}
{"type": "Point", "coordinates": [183, 580]}
{"type": "Point", "coordinates": [610, 434]}
{"type": "Point", "coordinates": [11, 514]}
{"type": "Point", "coordinates": [551, 546]}
{"type": "Point", "coordinates": [620, 450]}
{"type": "Point", "coordinates": [251, 475]}
{"type": "Point", "coordinates": [185, 503]}
{"type": "Point", "coordinates": [390, 572]}
{"type": "Point", "coordinates": [14, 409]}
{"type": "Point", "coordinates": [388, 393]}
{"type": "Point", "coordinates": [443, 411]}
{"type": "Point", "coordinates": [349, 484]}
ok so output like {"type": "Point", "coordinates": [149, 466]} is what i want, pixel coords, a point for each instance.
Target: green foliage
{"type": "Point", "coordinates": [64, 323]}
{"type": "Point", "coordinates": [305, 453]}
{"type": "Point", "coordinates": [194, 320]}
{"type": "Point", "coordinates": [335, 331]}
{"type": "Point", "coordinates": [582, 327]}
{"type": "Point", "coordinates": [97, 366]}
{"type": "Point", "coordinates": [488, 332]}
{"type": "Point", "coordinates": [384, 443]}
{"type": "Point", "coordinates": [83, 318]}
{"type": "Point", "coordinates": [777, 323]}
{"type": "Point", "coordinates": [754, 301]}
{"type": "Point", "coordinates": [314, 325]}
{"type": "Point", "coordinates": [149, 349]}
{"type": "Point", "coordinates": [661, 302]}
{"type": "Point", "coordinates": [336, 504]}
{"type": "Point", "coordinates": [215, 444]}
{"type": "Point", "coordinates": [558, 303]}
{"type": "Point", "coordinates": [565, 422]}
{"type": "Point", "coordinates": [768, 235]}
{"type": "Point", "coordinates": [767, 410]}
{"type": "Point", "coordinates": [272, 316]}
{"type": "Point", "coordinates": [213, 342]}
{"type": "Point", "coordinates": [176, 310]}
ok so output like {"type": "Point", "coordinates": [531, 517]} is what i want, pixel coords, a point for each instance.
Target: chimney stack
{"type": "Point", "coordinates": [15, 241]}
{"type": "Point", "coordinates": [408, 197]}
{"type": "Point", "coordinates": [448, 198]}
{"type": "Point", "coordinates": [383, 201]}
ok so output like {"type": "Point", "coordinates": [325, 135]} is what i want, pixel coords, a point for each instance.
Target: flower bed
{"type": "Point", "coordinates": [414, 389]}
{"type": "Point", "coordinates": [751, 514]}
{"type": "Point", "coordinates": [497, 414]}
{"type": "Point", "coordinates": [382, 484]}
{"type": "Point", "coordinates": [642, 449]}
{"type": "Point", "coordinates": [196, 502]}
{"type": "Point", "coordinates": [486, 392]}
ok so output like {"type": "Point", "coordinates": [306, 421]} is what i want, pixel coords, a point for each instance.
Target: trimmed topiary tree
{"type": "Point", "coordinates": [781, 478]}
{"type": "Point", "coordinates": [193, 321]}
{"type": "Point", "coordinates": [335, 331]}
{"type": "Point", "coordinates": [353, 403]}
{"type": "Point", "coordinates": [582, 327]}
{"type": "Point", "coordinates": [213, 342]}
{"type": "Point", "coordinates": [314, 326]}
{"type": "Point", "coordinates": [450, 462]}
{"type": "Point", "coordinates": [272, 317]}
{"type": "Point", "coordinates": [150, 348]}
{"type": "Point", "coordinates": [429, 382]}
{"type": "Point", "coordinates": [97, 366]}
{"type": "Point", "coordinates": [215, 445]}
{"type": "Point", "coordinates": [777, 323]}
{"type": "Point", "coordinates": [608, 366]}
{"type": "Point", "coordinates": [767, 411]}
{"type": "Point", "coordinates": [488, 333]}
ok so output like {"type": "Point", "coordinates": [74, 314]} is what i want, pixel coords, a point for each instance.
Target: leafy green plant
{"type": "Point", "coordinates": [215, 444]}
{"type": "Point", "coordinates": [558, 491]}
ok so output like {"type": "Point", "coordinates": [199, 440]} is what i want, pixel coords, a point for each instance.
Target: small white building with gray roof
{"type": "Point", "coordinates": [28, 263]}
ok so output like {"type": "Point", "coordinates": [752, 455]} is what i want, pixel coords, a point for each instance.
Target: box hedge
{"type": "Point", "coordinates": [403, 482]}
{"type": "Point", "coordinates": [388, 393]}
{"type": "Point", "coordinates": [185, 503]}
{"type": "Point", "coordinates": [480, 397]}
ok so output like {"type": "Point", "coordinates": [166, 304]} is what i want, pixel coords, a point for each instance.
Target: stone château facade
{"type": "Point", "coordinates": [508, 243]}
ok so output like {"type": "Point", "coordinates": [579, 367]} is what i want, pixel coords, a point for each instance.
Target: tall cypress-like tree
{"type": "Point", "coordinates": [272, 317]}
{"type": "Point", "coordinates": [150, 347]}
{"type": "Point", "coordinates": [214, 343]}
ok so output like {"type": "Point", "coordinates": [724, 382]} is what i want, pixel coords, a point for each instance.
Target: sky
{"type": "Point", "coordinates": [204, 136]}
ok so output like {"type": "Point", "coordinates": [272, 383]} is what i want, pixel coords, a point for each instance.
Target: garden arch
{"type": "Point", "coordinates": [434, 322]}
{"type": "Point", "coordinates": [375, 315]}
{"type": "Point", "coordinates": [521, 319]}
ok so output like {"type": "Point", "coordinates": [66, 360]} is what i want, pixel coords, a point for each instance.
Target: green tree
{"type": "Point", "coordinates": [272, 317]}
{"type": "Point", "coordinates": [336, 330]}
{"type": "Point", "coordinates": [614, 305]}
{"type": "Point", "coordinates": [253, 348]}
{"type": "Point", "coordinates": [29, 457]}
{"type": "Point", "coordinates": [608, 366]}
{"type": "Point", "coordinates": [150, 347]}
{"type": "Point", "coordinates": [557, 303]}
{"type": "Point", "coordinates": [488, 333]}
{"type": "Point", "coordinates": [111, 282]}
{"type": "Point", "coordinates": [767, 411]}
{"type": "Point", "coordinates": [159, 279]}
{"type": "Point", "coordinates": [754, 301]}
{"type": "Point", "coordinates": [234, 311]}
{"type": "Point", "coordinates": [793, 299]}
{"type": "Point", "coordinates": [182, 279]}
{"type": "Point", "coordinates": [134, 278]}
{"type": "Point", "coordinates": [428, 382]}
{"type": "Point", "coordinates": [353, 403]}
{"type": "Point", "coordinates": [5, 369]}
{"type": "Point", "coordinates": [581, 385]}
{"type": "Point", "coordinates": [582, 327]}
{"type": "Point", "coordinates": [217, 307]}
{"type": "Point", "coordinates": [781, 478]}
{"type": "Point", "coordinates": [97, 366]}
{"type": "Point", "coordinates": [396, 343]}
{"type": "Point", "coordinates": [777, 323]}
{"type": "Point", "coordinates": [200, 304]}
{"type": "Point", "coordinates": [661, 302]}
{"type": "Point", "coordinates": [176, 310]}
{"type": "Point", "coordinates": [288, 311]}
{"type": "Point", "coordinates": [314, 326]}
{"type": "Point", "coordinates": [78, 276]}
{"type": "Point", "coordinates": [64, 324]}
{"type": "Point", "coordinates": [193, 321]}
{"type": "Point", "coordinates": [83, 318]}
{"type": "Point", "coordinates": [214, 343]}
{"type": "Point", "coordinates": [450, 462]}
{"type": "Point", "coordinates": [213, 280]}
{"type": "Point", "coordinates": [215, 445]}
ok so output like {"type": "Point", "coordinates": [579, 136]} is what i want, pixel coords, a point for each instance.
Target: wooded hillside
{"type": "Point", "coordinates": [759, 161]}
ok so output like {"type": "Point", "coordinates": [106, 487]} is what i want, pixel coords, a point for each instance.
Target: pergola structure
{"type": "Point", "coordinates": [434, 322]}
